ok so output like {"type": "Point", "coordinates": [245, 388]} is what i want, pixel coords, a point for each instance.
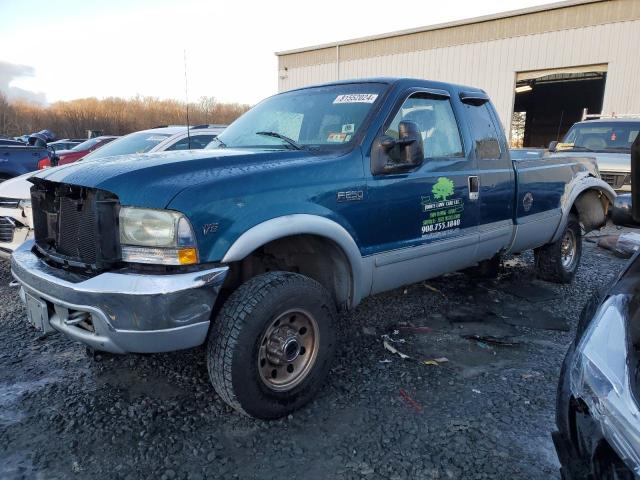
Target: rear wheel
{"type": "Point", "coordinates": [558, 261]}
{"type": "Point", "coordinates": [271, 346]}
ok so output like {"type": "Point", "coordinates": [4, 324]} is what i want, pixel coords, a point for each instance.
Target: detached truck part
{"type": "Point", "coordinates": [311, 201]}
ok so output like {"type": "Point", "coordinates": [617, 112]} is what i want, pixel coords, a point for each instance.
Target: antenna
{"type": "Point", "coordinates": [186, 96]}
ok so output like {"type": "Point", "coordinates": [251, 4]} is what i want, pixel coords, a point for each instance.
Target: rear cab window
{"type": "Point", "coordinates": [486, 142]}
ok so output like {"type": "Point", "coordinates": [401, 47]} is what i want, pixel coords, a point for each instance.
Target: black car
{"type": "Point", "coordinates": [597, 410]}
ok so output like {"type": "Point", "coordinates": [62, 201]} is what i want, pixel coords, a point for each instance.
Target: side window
{"type": "Point", "coordinates": [197, 142]}
{"type": "Point", "coordinates": [483, 131]}
{"type": "Point", "coordinates": [436, 122]}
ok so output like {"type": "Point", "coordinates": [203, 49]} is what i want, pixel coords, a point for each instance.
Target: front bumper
{"type": "Point", "coordinates": [127, 312]}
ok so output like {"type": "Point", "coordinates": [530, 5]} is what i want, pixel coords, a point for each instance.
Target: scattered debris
{"type": "Point", "coordinates": [435, 361]}
{"type": "Point", "coordinates": [623, 245]}
{"type": "Point", "coordinates": [410, 401]}
{"type": "Point", "coordinates": [434, 289]}
{"type": "Point", "coordinates": [392, 349]}
{"type": "Point", "coordinates": [386, 360]}
{"type": "Point", "coordinates": [474, 390]}
{"type": "Point", "coordinates": [628, 244]}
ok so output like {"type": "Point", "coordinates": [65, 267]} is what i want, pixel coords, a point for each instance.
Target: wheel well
{"type": "Point", "coordinates": [311, 255]}
{"type": "Point", "coordinates": [591, 207]}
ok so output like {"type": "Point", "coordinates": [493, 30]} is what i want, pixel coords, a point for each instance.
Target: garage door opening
{"type": "Point", "coordinates": [548, 102]}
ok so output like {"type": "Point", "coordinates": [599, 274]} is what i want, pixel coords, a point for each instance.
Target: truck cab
{"type": "Point", "coordinates": [311, 201]}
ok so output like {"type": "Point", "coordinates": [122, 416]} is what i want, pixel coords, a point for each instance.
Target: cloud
{"type": "Point", "coordinates": [10, 72]}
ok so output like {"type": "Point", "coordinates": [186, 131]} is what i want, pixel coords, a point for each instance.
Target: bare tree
{"type": "Point", "coordinates": [112, 115]}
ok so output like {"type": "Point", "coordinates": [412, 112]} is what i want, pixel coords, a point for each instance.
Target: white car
{"type": "Point", "coordinates": [16, 221]}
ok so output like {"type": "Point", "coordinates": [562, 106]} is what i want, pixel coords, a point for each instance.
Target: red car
{"type": "Point", "coordinates": [79, 151]}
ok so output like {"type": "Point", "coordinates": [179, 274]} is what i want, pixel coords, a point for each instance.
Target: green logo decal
{"type": "Point", "coordinates": [442, 189]}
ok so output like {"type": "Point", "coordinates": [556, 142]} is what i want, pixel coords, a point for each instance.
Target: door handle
{"type": "Point", "coordinates": [474, 187]}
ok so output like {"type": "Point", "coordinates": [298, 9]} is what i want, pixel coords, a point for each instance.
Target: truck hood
{"type": "Point", "coordinates": [153, 179]}
{"type": "Point", "coordinates": [607, 161]}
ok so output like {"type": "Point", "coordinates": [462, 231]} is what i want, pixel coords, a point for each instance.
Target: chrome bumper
{"type": "Point", "coordinates": [128, 312]}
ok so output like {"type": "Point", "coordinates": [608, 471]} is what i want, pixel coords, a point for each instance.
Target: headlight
{"type": "Point", "coordinates": [24, 203]}
{"type": "Point", "coordinates": [156, 236]}
{"type": "Point", "coordinates": [602, 360]}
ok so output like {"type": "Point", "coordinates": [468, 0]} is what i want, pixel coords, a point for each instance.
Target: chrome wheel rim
{"type": "Point", "coordinates": [568, 248]}
{"type": "Point", "coordinates": [288, 350]}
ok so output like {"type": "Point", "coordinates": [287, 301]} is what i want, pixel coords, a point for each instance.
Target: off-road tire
{"type": "Point", "coordinates": [235, 341]}
{"type": "Point", "coordinates": [549, 258]}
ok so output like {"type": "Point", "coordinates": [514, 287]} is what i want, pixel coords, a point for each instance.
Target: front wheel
{"type": "Point", "coordinates": [558, 261]}
{"type": "Point", "coordinates": [271, 346]}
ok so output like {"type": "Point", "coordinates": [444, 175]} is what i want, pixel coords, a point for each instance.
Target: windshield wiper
{"type": "Point", "coordinates": [291, 142]}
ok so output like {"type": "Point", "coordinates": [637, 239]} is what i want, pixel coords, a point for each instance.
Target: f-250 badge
{"type": "Point", "coordinates": [352, 196]}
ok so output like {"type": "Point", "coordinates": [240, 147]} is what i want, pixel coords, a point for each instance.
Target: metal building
{"type": "Point", "coordinates": [542, 66]}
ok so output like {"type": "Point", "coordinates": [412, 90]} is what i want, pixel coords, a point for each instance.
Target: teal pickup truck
{"type": "Point", "coordinates": [310, 202]}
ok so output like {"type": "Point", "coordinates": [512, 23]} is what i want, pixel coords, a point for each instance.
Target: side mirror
{"type": "Point", "coordinates": [390, 156]}
{"type": "Point", "coordinates": [53, 156]}
{"type": "Point", "coordinates": [635, 179]}
{"type": "Point", "coordinates": [553, 145]}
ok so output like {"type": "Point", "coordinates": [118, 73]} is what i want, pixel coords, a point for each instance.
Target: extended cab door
{"type": "Point", "coordinates": [424, 222]}
{"type": "Point", "coordinates": [496, 178]}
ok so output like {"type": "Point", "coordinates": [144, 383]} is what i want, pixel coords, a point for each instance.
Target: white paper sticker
{"type": "Point", "coordinates": [348, 128]}
{"type": "Point", "coordinates": [356, 98]}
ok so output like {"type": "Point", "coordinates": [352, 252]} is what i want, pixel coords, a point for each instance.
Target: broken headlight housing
{"type": "Point", "coordinates": [162, 237]}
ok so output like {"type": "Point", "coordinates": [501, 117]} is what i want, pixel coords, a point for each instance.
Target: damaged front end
{"type": "Point", "coordinates": [598, 410]}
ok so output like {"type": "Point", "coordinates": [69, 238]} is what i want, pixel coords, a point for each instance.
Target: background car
{"type": "Point", "coordinates": [597, 407]}
{"type": "Point", "coordinates": [15, 200]}
{"type": "Point", "coordinates": [609, 141]}
{"type": "Point", "coordinates": [8, 141]}
{"type": "Point", "coordinates": [66, 143]}
{"type": "Point", "coordinates": [82, 149]}
{"type": "Point", "coordinates": [160, 139]}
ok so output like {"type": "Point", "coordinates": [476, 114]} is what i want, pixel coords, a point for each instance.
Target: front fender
{"type": "Point", "coordinates": [605, 193]}
{"type": "Point", "coordinates": [302, 224]}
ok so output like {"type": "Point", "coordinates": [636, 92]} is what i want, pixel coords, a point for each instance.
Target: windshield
{"type": "Point", "coordinates": [322, 117]}
{"type": "Point", "coordinates": [601, 136]}
{"type": "Point", "coordinates": [86, 145]}
{"type": "Point", "coordinates": [137, 142]}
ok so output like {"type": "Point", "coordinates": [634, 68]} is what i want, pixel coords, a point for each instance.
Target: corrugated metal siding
{"type": "Point", "coordinates": [492, 65]}
{"type": "Point", "coordinates": [570, 17]}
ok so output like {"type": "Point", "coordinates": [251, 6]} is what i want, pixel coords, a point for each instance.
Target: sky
{"type": "Point", "coordinates": [67, 49]}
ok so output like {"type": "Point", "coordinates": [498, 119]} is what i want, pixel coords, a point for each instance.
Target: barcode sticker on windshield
{"type": "Point", "coordinates": [356, 98]}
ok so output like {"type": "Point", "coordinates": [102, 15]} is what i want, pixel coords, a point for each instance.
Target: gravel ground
{"type": "Point", "coordinates": [486, 413]}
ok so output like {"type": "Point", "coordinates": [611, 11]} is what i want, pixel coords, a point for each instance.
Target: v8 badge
{"type": "Point", "coordinates": [208, 228]}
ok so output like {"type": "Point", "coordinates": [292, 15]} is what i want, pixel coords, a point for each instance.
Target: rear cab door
{"type": "Point", "coordinates": [496, 177]}
{"type": "Point", "coordinates": [424, 222]}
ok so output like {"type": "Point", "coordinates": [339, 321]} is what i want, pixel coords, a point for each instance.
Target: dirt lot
{"type": "Point", "coordinates": [487, 412]}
